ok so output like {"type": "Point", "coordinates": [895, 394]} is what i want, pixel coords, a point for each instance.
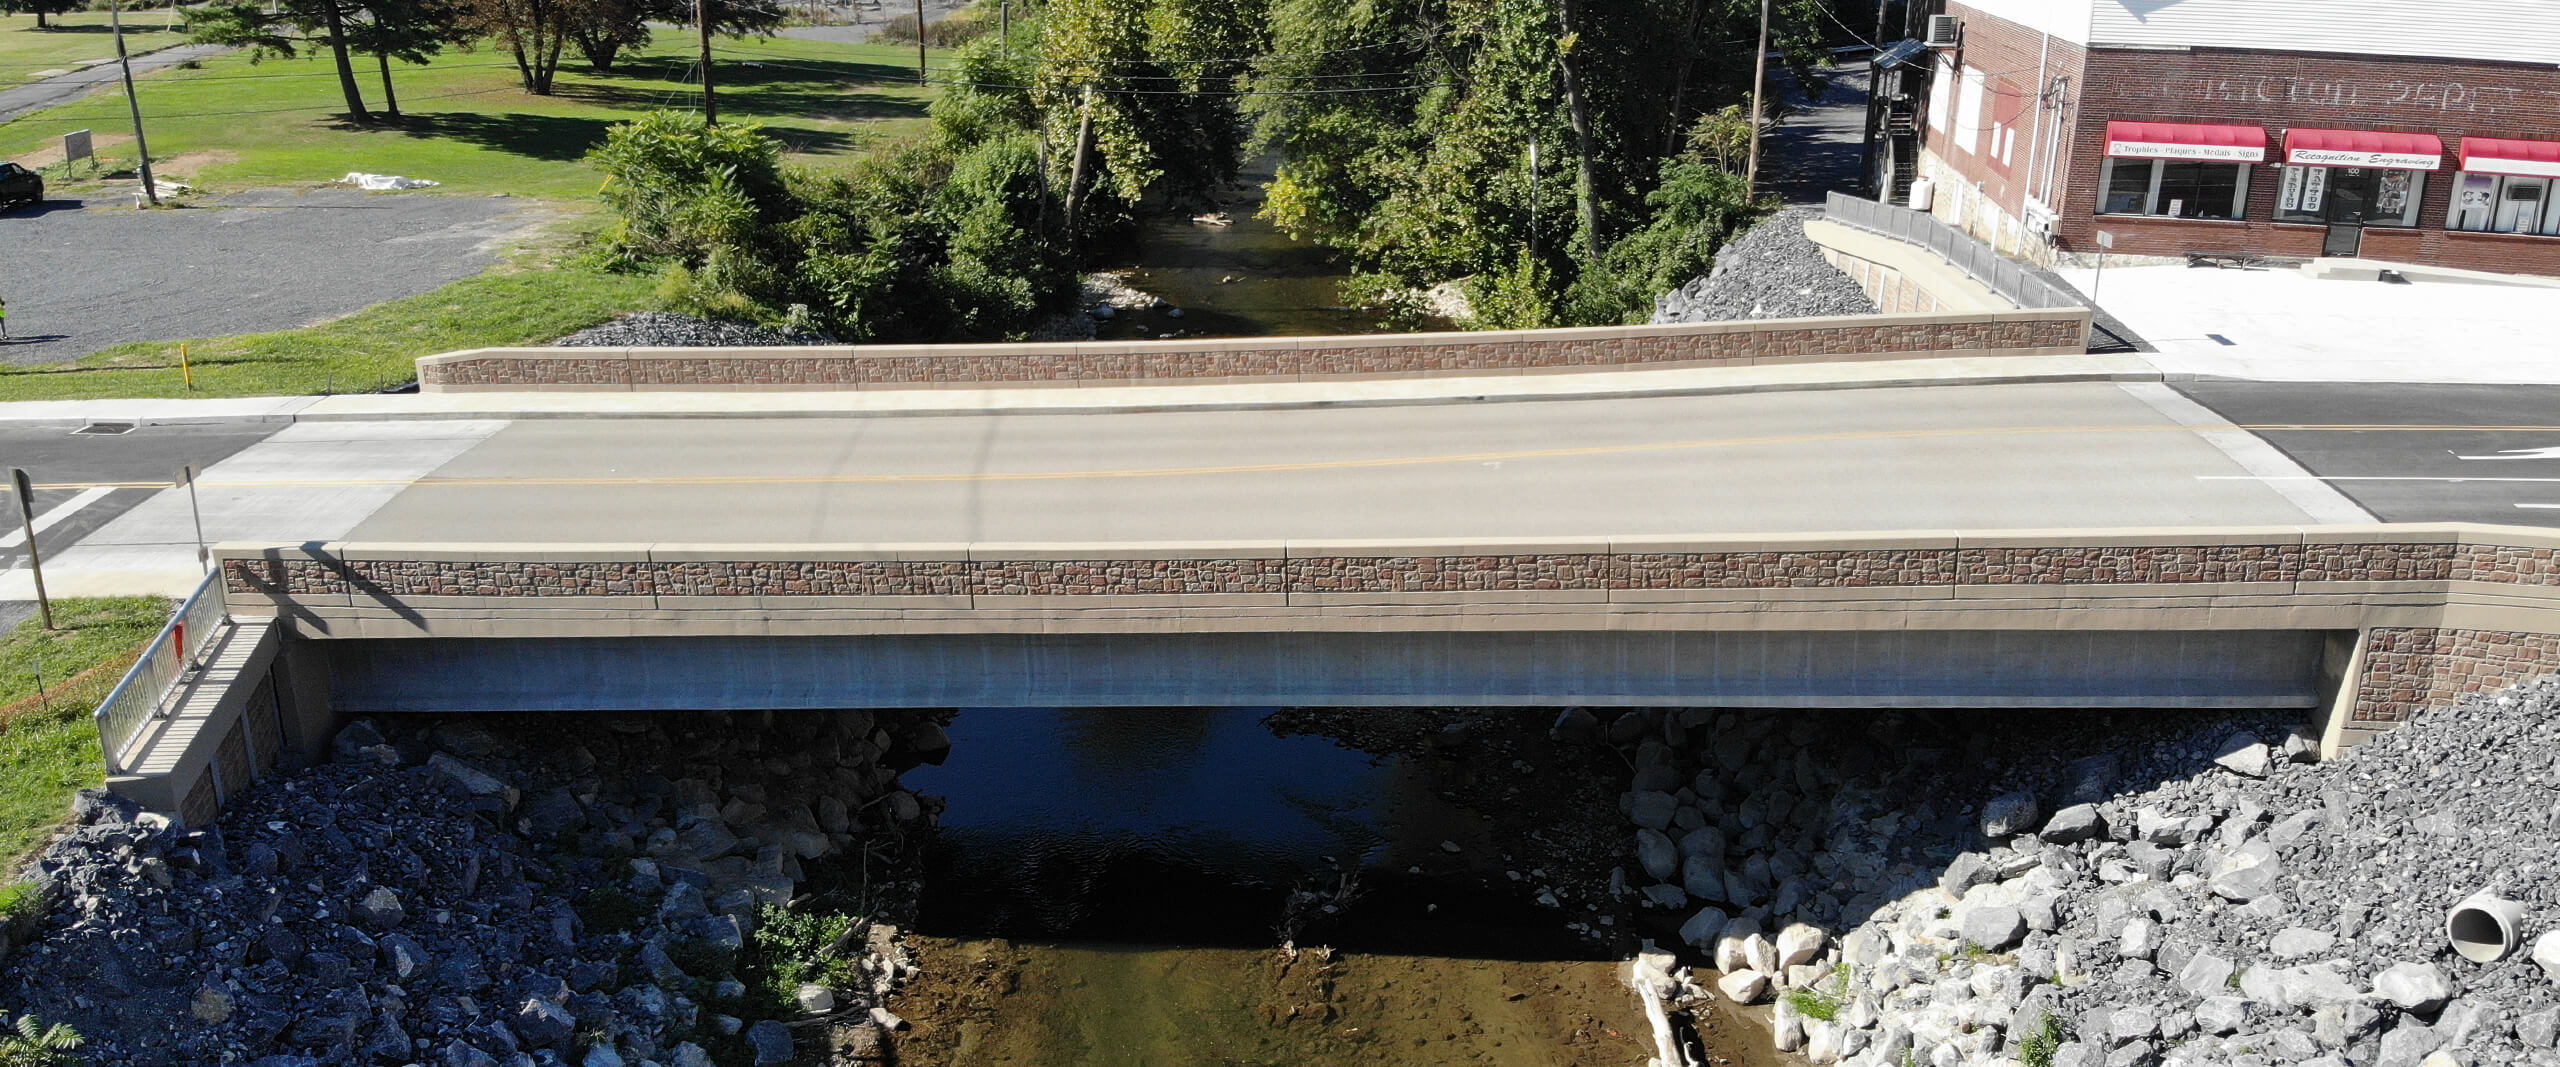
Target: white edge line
{"type": "Point", "coordinates": [2251, 453]}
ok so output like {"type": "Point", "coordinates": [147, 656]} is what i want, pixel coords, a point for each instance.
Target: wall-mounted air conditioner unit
{"type": "Point", "coordinates": [1945, 31]}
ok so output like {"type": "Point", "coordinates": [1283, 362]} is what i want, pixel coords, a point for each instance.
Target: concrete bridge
{"type": "Point", "coordinates": [2358, 625]}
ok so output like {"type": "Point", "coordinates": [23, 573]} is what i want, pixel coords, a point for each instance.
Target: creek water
{"type": "Point", "coordinates": [1117, 885]}
{"type": "Point", "coordinates": [1242, 279]}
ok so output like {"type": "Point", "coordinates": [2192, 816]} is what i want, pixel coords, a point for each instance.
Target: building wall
{"type": "Point", "coordinates": [2520, 31]}
{"type": "Point", "coordinates": [2278, 91]}
{"type": "Point", "coordinates": [1984, 187]}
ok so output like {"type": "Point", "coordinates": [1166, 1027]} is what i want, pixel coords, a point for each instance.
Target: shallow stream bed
{"type": "Point", "coordinates": [1219, 886]}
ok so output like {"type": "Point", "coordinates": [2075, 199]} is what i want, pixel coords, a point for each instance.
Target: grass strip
{"type": "Point", "coordinates": [368, 350]}
{"type": "Point", "coordinates": [49, 744]}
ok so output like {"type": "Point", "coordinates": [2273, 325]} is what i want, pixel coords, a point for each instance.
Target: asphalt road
{"type": "Point", "coordinates": [82, 275]}
{"type": "Point", "coordinates": [1884, 459]}
{"type": "Point", "coordinates": [63, 88]}
{"type": "Point", "coordinates": [66, 517]}
{"type": "Point", "coordinates": [2014, 456]}
{"type": "Point", "coordinates": [2472, 453]}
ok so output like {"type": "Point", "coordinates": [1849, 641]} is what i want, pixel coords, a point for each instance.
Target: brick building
{"type": "Point", "coordinates": [2421, 133]}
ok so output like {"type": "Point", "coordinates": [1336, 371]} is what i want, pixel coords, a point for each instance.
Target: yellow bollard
{"type": "Point", "coordinates": [184, 367]}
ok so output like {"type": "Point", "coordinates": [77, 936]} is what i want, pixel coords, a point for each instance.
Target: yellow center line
{"type": "Point", "coordinates": [1269, 468]}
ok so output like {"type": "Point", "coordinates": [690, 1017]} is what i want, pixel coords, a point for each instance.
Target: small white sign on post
{"type": "Point", "coordinates": [75, 147]}
{"type": "Point", "coordinates": [2106, 240]}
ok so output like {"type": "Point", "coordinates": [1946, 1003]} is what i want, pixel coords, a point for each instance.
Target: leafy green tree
{"type": "Point", "coordinates": [604, 29]}
{"type": "Point", "coordinates": [296, 26]}
{"type": "Point", "coordinates": [44, 8]}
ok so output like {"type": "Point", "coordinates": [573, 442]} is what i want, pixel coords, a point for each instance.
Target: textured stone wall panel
{"type": "Point", "coordinates": [2407, 670]}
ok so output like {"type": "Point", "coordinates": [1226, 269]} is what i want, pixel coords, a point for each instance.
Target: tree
{"type": "Point", "coordinates": [410, 31]}
{"type": "Point", "coordinates": [43, 8]}
{"type": "Point", "coordinates": [533, 31]}
{"type": "Point", "coordinates": [298, 26]}
{"type": "Point", "coordinates": [607, 27]}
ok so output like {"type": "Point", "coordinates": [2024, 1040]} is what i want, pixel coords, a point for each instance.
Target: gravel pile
{"type": "Point", "coordinates": [558, 893]}
{"type": "Point", "coordinates": [1773, 271]}
{"type": "Point", "coordinates": [2127, 891]}
{"type": "Point", "coordinates": [667, 329]}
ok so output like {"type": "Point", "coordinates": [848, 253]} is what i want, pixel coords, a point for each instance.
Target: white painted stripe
{"type": "Point", "coordinates": [2553, 507]}
{"type": "Point", "coordinates": [2252, 453]}
{"type": "Point", "coordinates": [2361, 478]}
{"type": "Point", "coordinates": [18, 536]}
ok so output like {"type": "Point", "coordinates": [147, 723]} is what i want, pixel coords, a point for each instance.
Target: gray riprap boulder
{"type": "Point", "coordinates": [1666, 896]}
{"type": "Point", "coordinates": [2206, 975]}
{"type": "Point", "coordinates": [1799, 943]}
{"type": "Point", "coordinates": [2242, 753]}
{"type": "Point", "coordinates": [2010, 814]}
{"type": "Point", "coordinates": [1743, 987]}
{"type": "Point", "coordinates": [682, 903]}
{"type": "Point", "coordinates": [2540, 1029]}
{"type": "Point", "coordinates": [1704, 878]}
{"type": "Point", "coordinates": [1997, 928]}
{"type": "Point", "coordinates": [379, 910]}
{"type": "Point", "coordinates": [1969, 870]}
{"type": "Point", "coordinates": [540, 1023]}
{"type": "Point", "coordinates": [1703, 928]}
{"type": "Point", "coordinates": [2546, 954]}
{"type": "Point", "coordinates": [2407, 1044]}
{"type": "Point", "coordinates": [2073, 824]}
{"type": "Point", "coordinates": [1657, 855]}
{"type": "Point", "coordinates": [478, 783]}
{"type": "Point", "coordinates": [1652, 809]}
{"type": "Point", "coordinates": [2130, 1024]}
{"type": "Point", "coordinates": [1706, 842]}
{"type": "Point", "coordinates": [771, 1042]}
{"type": "Point", "coordinates": [2296, 942]}
{"type": "Point", "coordinates": [2222, 1015]}
{"type": "Point", "coordinates": [2417, 987]}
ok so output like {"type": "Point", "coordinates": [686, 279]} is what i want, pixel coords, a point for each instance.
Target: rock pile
{"type": "Point", "coordinates": [566, 890]}
{"type": "Point", "coordinates": [2187, 891]}
{"type": "Point", "coordinates": [667, 329]}
{"type": "Point", "coordinates": [1773, 271]}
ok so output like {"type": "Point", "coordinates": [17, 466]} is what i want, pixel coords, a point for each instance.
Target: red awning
{"type": "Point", "coordinates": [2502, 155]}
{"type": "Point", "coordinates": [2363, 148]}
{"type": "Point", "coordinates": [2187, 140]}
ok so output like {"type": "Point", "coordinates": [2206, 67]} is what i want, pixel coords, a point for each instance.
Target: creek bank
{"type": "Point", "coordinates": [496, 890]}
{"type": "Point", "coordinates": [2170, 889]}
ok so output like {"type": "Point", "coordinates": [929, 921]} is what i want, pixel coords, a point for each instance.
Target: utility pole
{"type": "Point", "coordinates": [920, 78]}
{"type": "Point", "coordinates": [1759, 83]}
{"type": "Point", "coordinates": [150, 191]}
{"type": "Point", "coordinates": [702, 27]}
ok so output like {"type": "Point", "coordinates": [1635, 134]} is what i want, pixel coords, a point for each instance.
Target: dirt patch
{"type": "Point", "coordinates": [51, 154]}
{"type": "Point", "coordinates": [995, 1002]}
{"type": "Point", "coordinates": [188, 164]}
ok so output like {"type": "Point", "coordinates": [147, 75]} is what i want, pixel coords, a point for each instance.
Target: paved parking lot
{"type": "Point", "coordinates": [82, 275]}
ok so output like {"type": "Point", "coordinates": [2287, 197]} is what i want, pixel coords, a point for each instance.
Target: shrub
{"type": "Point", "coordinates": [791, 950]}
{"type": "Point", "coordinates": [33, 1044]}
{"type": "Point", "coordinates": [2038, 1047]}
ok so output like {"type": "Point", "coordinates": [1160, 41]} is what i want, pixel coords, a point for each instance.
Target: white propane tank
{"type": "Point", "coordinates": [1924, 192]}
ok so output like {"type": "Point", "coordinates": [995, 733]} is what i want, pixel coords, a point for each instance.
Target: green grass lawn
{"type": "Point", "coordinates": [74, 39]}
{"type": "Point", "coordinates": [362, 352]}
{"type": "Point", "coordinates": [47, 753]}
{"type": "Point", "coordinates": [467, 122]}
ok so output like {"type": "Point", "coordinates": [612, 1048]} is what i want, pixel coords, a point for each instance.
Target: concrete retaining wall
{"type": "Point", "coordinates": [2062, 331]}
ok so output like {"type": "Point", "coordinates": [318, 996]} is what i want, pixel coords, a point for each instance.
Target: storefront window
{"type": "Point", "coordinates": [2501, 203]}
{"type": "Point", "coordinates": [2367, 196]}
{"type": "Point", "coordinates": [2176, 188]}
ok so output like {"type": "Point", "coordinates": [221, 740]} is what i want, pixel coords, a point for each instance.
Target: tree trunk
{"type": "Point", "coordinates": [390, 100]}
{"type": "Point", "coordinates": [1586, 182]}
{"type": "Point", "coordinates": [329, 14]}
{"type": "Point", "coordinates": [1075, 171]}
{"type": "Point", "coordinates": [1680, 82]}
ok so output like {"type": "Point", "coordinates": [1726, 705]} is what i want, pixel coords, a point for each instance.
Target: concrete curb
{"type": "Point", "coordinates": [2006, 370]}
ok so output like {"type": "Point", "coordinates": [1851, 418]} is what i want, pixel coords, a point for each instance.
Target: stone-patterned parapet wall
{"type": "Point", "coordinates": [2063, 331]}
{"type": "Point", "coordinates": [375, 571]}
{"type": "Point", "coordinates": [2444, 609]}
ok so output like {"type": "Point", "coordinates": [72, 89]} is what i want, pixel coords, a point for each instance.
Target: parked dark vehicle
{"type": "Point", "coordinates": [20, 184]}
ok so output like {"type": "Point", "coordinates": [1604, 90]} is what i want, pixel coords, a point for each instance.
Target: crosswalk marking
{"type": "Point", "coordinates": [17, 537]}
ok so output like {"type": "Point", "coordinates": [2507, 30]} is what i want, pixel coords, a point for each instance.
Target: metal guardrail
{"type": "Point", "coordinates": [179, 651]}
{"type": "Point", "coordinates": [1977, 260]}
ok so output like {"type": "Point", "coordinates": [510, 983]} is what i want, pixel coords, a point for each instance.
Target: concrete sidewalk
{"type": "Point", "coordinates": [1873, 374]}
{"type": "Point", "coordinates": [2279, 325]}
